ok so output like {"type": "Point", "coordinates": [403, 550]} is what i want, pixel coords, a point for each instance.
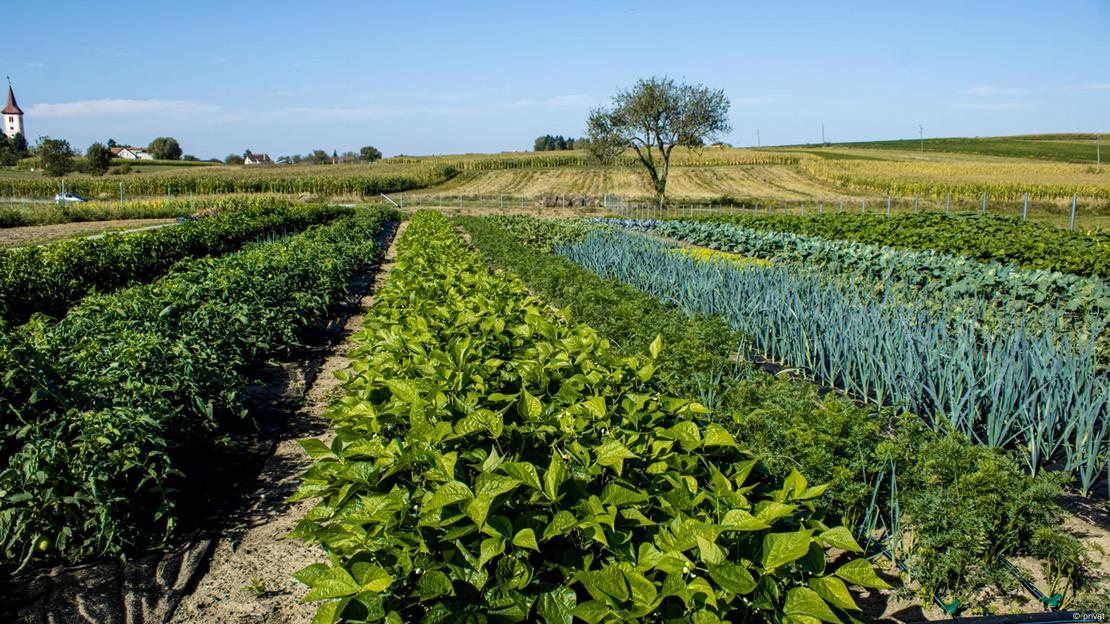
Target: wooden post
{"type": "Point", "coordinates": [1025, 207]}
{"type": "Point", "coordinates": [1071, 222]}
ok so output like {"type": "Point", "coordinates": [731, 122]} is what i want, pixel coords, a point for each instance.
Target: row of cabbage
{"type": "Point", "coordinates": [107, 415]}
{"type": "Point", "coordinates": [984, 237]}
{"type": "Point", "coordinates": [1022, 385]}
{"type": "Point", "coordinates": [49, 278]}
{"type": "Point", "coordinates": [925, 276]}
{"type": "Point", "coordinates": [494, 463]}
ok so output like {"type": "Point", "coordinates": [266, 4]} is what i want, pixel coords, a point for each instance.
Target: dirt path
{"type": "Point", "coordinates": [248, 578]}
{"type": "Point", "coordinates": [39, 234]}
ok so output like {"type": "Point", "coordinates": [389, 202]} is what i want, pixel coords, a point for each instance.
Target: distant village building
{"type": "Point", "coordinates": [257, 159]}
{"type": "Point", "coordinates": [13, 116]}
{"type": "Point", "coordinates": [131, 153]}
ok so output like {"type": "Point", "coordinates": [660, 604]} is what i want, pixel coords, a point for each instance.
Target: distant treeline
{"type": "Point", "coordinates": [549, 143]}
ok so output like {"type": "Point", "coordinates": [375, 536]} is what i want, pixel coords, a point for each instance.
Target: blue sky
{"type": "Point", "coordinates": [449, 77]}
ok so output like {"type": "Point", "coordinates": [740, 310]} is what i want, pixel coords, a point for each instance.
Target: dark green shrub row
{"type": "Point", "coordinates": [50, 278]}
{"type": "Point", "coordinates": [101, 409]}
{"type": "Point", "coordinates": [969, 503]}
{"type": "Point", "coordinates": [492, 463]}
{"type": "Point", "coordinates": [989, 238]}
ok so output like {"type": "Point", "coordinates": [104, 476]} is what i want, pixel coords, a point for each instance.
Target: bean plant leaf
{"type": "Point", "coordinates": [840, 537]}
{"type": "Point", "coordinates": [782, 548]}
{"type": "Point", "coordinates": [557, 606]}
{"type": "Point", "coordinates": [860, 572]}
{"type": "Point", "coordinates": [806, 603]}
{"type": "Point", "coordinates": [834, 591]}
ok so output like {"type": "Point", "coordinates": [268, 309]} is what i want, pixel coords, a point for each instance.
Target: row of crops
{"type": "Point", "coordinates": [492, 461]}
{"type": "Point", "coordinates": [1007, 181]}
{"type": "Point", "coordinates": [953, 511]}
{"type": "Point", "coordinates": [106, 413]}
{"type": "Point", "coordinates": [1008, 357]}
{"type": "Point", "coordinates": [580, 158]}
{"type": "Point", "coordinates": [48, 279]}
{"type": "Point", "coordinates": [987, 238]}
{"type": "Point", "coordinates": [364, 180]}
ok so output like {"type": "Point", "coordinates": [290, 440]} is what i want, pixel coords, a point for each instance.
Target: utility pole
{"type": "Point", "coordinates": [921, 134]}
{"type": "Point", "coordinates": [757, 142]}
{"type": "Point", "coordinates": [822, 134]}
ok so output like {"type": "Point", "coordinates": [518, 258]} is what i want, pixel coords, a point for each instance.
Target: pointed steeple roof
{"type": "Point", "coordinates": [12, 108]}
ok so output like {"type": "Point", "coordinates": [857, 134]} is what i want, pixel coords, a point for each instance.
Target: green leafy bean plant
{"type": "Point", "coordinates": [494, 464]}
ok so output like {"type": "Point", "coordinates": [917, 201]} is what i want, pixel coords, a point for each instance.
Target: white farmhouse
{"type": "Point", "coordinates": [131, 153]}
{"type": "Point", "coordinates": [257, 159]}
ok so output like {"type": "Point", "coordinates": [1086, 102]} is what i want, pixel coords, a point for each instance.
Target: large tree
{"type": "Point", "coordinates": [369, 153]}
{"type": "Point", "coordinates": [655, 116]}
{"type": "Point", "coordinates": [55, 155]}
{"type": "Point", "coordinates": [98, 158]}
{"type": "Point", "coordinates": [165, 148]}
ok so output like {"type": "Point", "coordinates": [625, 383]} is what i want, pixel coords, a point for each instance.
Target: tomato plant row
{"type": "Point", "coordinates": [102, 410]}
{"type": "Point", "coordinates": [50, 278]}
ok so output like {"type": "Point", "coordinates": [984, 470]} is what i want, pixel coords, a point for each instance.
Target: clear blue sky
{"type": "Point", "coordinates": [448, 77]}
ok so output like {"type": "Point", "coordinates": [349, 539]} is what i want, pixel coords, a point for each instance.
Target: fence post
{"type": "Point", "coordinates": [948, 203]}
{"type": "Point", "coordinates": [1071, 223]}
{"type": "Point", "coordinates": [1025, 207]}
{"type": "Point", "coordinates": [501, 201]}
{"type": "Point", "coordinates": [863, 206]}
{"type": "Point", "coordinates": [121, 196]}
{"type": "Point", "coordinates": [888, 205]}
{"type": "Point", "coordinates": [916, 201]}
{"type": "Point", "coordinates": [842, 205]}
{"type": "Point", "coordinates": [983, 208]}
{"type": "Point", "coordinates": [820, 207]}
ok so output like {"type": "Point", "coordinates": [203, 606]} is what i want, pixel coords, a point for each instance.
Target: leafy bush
{"type": "Point", "coordinates": [491, 462]}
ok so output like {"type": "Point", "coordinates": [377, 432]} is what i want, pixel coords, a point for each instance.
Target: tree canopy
{"type": "Point", "coordinates": [98, 158]}
{"type": "Point", "coordinates": [655, 116]}
{"type": "Point", "coordinates": [369, 154]}
{"type": "Point", "coordinates": [55, 155]}
{"type": "Point", "coordinates": [165, 148]}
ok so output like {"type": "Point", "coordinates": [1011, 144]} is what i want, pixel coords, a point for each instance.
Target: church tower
{"type": "Point", "coordinates": [13, 116]}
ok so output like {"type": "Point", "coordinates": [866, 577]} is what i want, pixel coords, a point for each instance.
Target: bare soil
{"type": "Point", "coordinates": [39, 234]}
{"type": "Point", "coordinates": [248, 577]}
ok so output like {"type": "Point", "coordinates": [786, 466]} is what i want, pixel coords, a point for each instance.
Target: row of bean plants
{"type": "Point", "coordinates": [987, 237]}
{"type": "Point", "coordinates": [491, 461]}
{"type": "Point", "coordinates": [101, 411]}
{"type": "Point", "coordinates": [966, 505]}
{"type": "Point", "coordinates": [1040, 391]}
{"type": "Point", "coordinates": [50, 278]}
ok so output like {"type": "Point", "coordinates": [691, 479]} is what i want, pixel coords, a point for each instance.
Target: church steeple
{"type": "Point", "coordinates": [12, 115]}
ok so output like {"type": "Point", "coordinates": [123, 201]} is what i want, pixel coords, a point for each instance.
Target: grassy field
{"type": "Point", "coordinates": [1080, 148]}
{"type": "Point", "coordinates": [788, 178]}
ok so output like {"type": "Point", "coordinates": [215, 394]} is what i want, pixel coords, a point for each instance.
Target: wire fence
{"type": "Point", "coordinates": [1076, 213]}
